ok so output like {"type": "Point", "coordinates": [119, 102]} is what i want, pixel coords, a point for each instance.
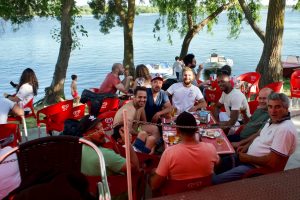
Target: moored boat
{"type": "Point", "coordinates": [290, 64]}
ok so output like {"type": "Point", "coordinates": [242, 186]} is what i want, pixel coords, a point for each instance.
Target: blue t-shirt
{"type": "Point", "coordinates": [153, 107]}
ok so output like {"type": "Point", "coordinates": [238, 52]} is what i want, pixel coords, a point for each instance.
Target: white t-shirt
{"type": "Point", "coordinates": [5, 106]}
{"type": "Point", "coordinates": [183, 98]}
{"type": "Point", "coordinates": [177, 66]}
{"type": "Point", "coordinates": [25, 94]}
{"type": "Point", "coordinates": [281, 138]}
{"type": "Point", "coordinates": [9, 173]}
{"type": "Point", "coordinates": [234, 101]}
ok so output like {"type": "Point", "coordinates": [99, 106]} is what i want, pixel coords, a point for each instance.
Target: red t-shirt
{"type": "Point", "coordinates": [109, 84]}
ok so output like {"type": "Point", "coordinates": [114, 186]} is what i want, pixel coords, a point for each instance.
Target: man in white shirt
{"type": "Point", "coordinates": [6, 106]}
{"type": "Point", "coordinates": [177, 67]}
{"type": "Point", "coordinates": [186, 96]}
{"type": "Point", "coordinates": [271, 148]}
{"type": "Point", "coordinates": [233, 100]}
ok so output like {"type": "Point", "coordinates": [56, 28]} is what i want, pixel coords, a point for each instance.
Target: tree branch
{"type": "Point", "coordinates": [260, 33]}
{"type": "Point", "coordinates": [121, 12]}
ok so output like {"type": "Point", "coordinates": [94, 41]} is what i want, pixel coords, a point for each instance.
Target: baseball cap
{"type": "Point", "coordinates": [157, 76]}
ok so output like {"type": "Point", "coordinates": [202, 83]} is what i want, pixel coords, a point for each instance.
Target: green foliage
{"type": "Point", "coordinates": [297, 6]}
{"type": "Point", "coordinates": [235, 19]}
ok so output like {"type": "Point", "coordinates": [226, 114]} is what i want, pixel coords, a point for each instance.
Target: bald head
{"type": "Point", "coordinates": [263, 97]}
{"type": "Point", "coordinates": [117, 68]}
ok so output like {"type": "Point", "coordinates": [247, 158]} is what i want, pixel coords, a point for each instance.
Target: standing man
{"type": "Point", "coordinates": [177, 67]}
{"type": "Point", "coordinates": [136, 111]}
{"type": "Point", "coordinates": [233, 100]}
{"type": "Point", "coordinates": [158, 103]}
{"type": "Point", "coordinates": [271, 148]}
{"type": "Point", "coordinates": [185, 95]}
{"type": "Point", "coordinates": [112, 82]}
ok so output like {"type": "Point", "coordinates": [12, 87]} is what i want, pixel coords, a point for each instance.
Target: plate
{"type": "Point", "coordinates": [211, 134]}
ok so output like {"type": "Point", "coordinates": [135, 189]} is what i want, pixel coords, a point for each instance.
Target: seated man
{"type": "Point", "coordinates": [257, 120]}
{"type": "Point", "coordinates": [186, 96]}
{"type": "Point", "coordinates": [158, 103]}
{"type": "Point", "coordinates": [7, 106]}
{"type": "Point", "coordinates": [114, 163]}
{"type": "Point", "coordinates": [187, 160]}
{"type": "Point", "coordinates": [112, 82]}
{"type": "Point", "coordinates": [271, 149]}
{"type": "Point", "coordinates": [233, 100]}
{"type": "Point", "coordinates": [136, 111]}
{"type": "Point", "coordinates": [143, 143]}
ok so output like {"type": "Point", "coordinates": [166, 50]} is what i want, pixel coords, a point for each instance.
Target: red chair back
{"type": "Point", "coordinates": [11, 133]}
{"type": "Point", "coordinates": [275, 86]}
{"type": "Point", "coordinates": [177, 186]}
{"type": "Point", "coordinates": [295, 84]}
{"type": "Point", "coordinates": [109, 104]}
{"type": "Point", "coordinates": [55, 115]}
{"type": "Point", "coordinates": [107, 119]}
{"type": "Point", "coordinates": [252, 106]}
{"type": "Point", "coordinates": [78, 111]}
{"type": "Point", "coordinates": [31, 114]}
{"type": "Point", "coordinates": [252, 78]}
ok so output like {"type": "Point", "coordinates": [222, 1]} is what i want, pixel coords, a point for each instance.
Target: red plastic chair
{"type": "Point", "coordinates": [252, 78]}
{"type": "Point", "coordinates": [295, 84]}
{"type": "Point", "coordinates": [252, 106]}
{"type": "Point", "coordinates": [107, 119]}
{"type": "Point", "coordinates": [177, 186]}
{"type": "Point", "coordinates": [9, 133]}
{"type": "Point", "coordinates": [78, 111]}
{"type": "Point", "coordinates": [276, 86]}
{"type": "Point", "coordinates": [31, 114]}
{"type": "Point", "coordinates": [55, 115]}
{"type": "Point", "coordinates": [108, 104]}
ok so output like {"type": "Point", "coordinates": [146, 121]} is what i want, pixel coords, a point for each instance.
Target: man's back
{"type": "Point", "coordinates": [109, 84]}
{"type": "Point", "coordinates": [182, 161]}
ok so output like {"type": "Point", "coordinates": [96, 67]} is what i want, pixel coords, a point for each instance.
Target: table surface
{"type": "Point", "coordinates": [222, 144]}
{"type": "Point", "coordinates": [280, 186]}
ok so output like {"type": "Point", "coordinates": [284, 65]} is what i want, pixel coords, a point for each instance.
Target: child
{"type": "Point", "coordinates": [74, 91]}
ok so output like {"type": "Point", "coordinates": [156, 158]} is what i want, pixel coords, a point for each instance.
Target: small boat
{"type": "Point", "coordinates": [290, 64]}
{"type": "Point", "coordinates": [217, 61]}
{"type": "Point", "coordinates": [162, 68]}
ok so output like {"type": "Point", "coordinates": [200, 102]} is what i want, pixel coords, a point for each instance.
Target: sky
{"type": "Point", "coordinates": [264, 2]}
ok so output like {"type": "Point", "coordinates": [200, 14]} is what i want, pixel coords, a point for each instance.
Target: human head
{"type": "Point", "coordinates": [186, 119]}
{"type": "Point", "coordinates": [142, 71]}
{"type": "Point", "coordinates": [189, 61]}
{"type": "Point", "coordinates": [278, 106]}
{"type": "Point", "coordinates": [119, 134]}
{"type": "Point", "coordinates": [263, 97]}
{"type": "Point", "coordinates": [91, 128]}
{"type": "Point", "coordinates": [117, 68]}
{"type": "Point", "coordinates": [140, 96]}
{"type": "Point", "coordinates": [28, 76]}
{"type": "Point", "coordinates": [176, 58]}
{"type": "Point", "coordinates": [226, 69]}
{"type": "Point", "coordinates": [74, 77]}
{"type": "Point", "coordinates": [156, 83]}
{"type": "Point", "coordinates": [224, 82]}
{"type": "Point", "coordinates": [187, 76]}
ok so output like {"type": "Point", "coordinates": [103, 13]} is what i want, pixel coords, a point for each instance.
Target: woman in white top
{"type": "Point", "coordinates": [26, 89]}
{"type": "Point", "coordinates": [143, 77]}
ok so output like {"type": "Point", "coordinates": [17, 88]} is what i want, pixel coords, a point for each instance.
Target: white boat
{"type": "Point", "coordinates": [217, 61]}
{"type": "Point", "coordinates": [290, 64]}
{"type": "Point", "coordinates": [162, 68]}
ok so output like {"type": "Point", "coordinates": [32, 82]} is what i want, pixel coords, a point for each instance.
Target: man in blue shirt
{"type": "Point", "coordinates": [158, 103]}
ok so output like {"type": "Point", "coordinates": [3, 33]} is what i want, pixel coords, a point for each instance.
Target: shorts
{"type": "Point", "coordinates": [75, 95]}
{"type": "Point", "coordinates": [140, 146]}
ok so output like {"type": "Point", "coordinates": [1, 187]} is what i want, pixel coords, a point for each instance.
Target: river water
{"type": "Point", "coordinates": [32, 46]}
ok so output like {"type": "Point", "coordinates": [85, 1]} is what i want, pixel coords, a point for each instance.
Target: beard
{"type": "Point", "coordinates": [187, 82]}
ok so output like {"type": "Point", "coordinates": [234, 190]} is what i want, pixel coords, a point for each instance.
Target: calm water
{"type": "Point", "coordinates": [32, 46]}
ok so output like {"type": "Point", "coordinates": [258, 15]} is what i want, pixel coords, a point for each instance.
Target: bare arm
{"type": "Point", "coordinates": [217, 110]}
{"type": "Point", "coordinates": [156, 181]}
{"type": "Point", "coordinates": [199, 104]}
{"type": "Point", "coordinates": [243, 145]}
{"type": "Point", "coordinates": [167, 108]}
{"type": "Point", "coordinates": [14, 98]}
{"type": "Point", "coordinates": [234, 115]}
{"type": "Point", "coordinates": [17, 110]}
{"type": "Point", "coordinates": [133, 160]}
{"type": "Point", "coordinates": [124, 88]}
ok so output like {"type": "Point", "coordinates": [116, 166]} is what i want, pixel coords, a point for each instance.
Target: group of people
{"type": "Point", "coordinates": [267, 139]}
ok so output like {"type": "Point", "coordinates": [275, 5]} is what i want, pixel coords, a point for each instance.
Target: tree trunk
{"type": "Point", "coordinates": [56, 90]}
{"type": "Point", "coordinates": [269, 65]}
{"type": "Point", "coordinates": [128, 45]}
{"type": "Point", "coordinates": [186, 43]}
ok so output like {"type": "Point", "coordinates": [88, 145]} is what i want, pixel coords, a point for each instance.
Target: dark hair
{"type": "Point", "coordinates": [28, 76]}
{"type": "Point", "coordinates": [116, 134]}
{"type": "Point", "coordinates": [226, 69]}
{"type": "Point", "coordinates": [188, 59]}
{"type": "Point", "coordinates": [186, 119]}
{"type": "Point", "coordinates": [87, 123]}
{"type": "Point", "coordinates": [139, 88]}
{"type": "Point", "coordinates": [73, 77]}
{"type": "Point", "coordinates": [176, 58]}
{"type": "Point", "coordinates": [142, 71]}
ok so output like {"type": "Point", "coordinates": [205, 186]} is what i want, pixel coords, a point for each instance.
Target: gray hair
{"type": "Point", "coordinates": [281, 97]}
{"type": "Point", "coordinates": [115, 66]}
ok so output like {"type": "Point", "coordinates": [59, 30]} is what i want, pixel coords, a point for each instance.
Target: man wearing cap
{"type": "Point", "coordinates": [189, 159]}
{"type": "Point", "coordinates": [185, 95]}
{"type": "Point", "coordinates": [158, 103]}
{"type": "Point", "coordinates": [112, 82]}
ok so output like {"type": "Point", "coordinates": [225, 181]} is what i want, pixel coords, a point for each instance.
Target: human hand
{"type": "Point", "coordinates": [242, 149]}
{"type": "Point", "coordinates": [129, 77]}
{"type": "Point", "coordinates": [235, 145]}
{"type": "Point", "coordinates": [192, 109]}
{"type": "Point", "coordinates": [201, 67]}
{"type": "Point", "coordinates": [155, 118]}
